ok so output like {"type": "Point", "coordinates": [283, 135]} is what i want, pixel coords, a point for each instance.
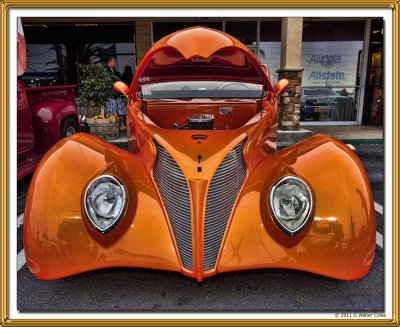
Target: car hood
{"type": "Point", "coordinates": [191, 155]}
{"type": "Point", "coordinates": [200, 53]}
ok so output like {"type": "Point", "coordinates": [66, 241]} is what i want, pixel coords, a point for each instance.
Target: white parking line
{"type": "Point", "coordinates": [378, 208]}
{"type": "Point", "coordinates": [21, 260]}
{"type": "Point", "coordinates": [20, 220]}
{"type": "Point", "coordinates": [379, 239]}
{"type": "Point", "coordinates": [351, 146]}
{"type": "Point", "coordinates": [379, 236]}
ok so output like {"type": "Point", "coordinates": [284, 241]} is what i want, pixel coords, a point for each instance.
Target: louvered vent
{"type": "Point", "coordinates": [222, 193]}
{"type": "Point", "coordinates": [175, 193]}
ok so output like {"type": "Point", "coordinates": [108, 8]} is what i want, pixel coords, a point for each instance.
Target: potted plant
{"type": "Point", "coordinates": [96, 86]}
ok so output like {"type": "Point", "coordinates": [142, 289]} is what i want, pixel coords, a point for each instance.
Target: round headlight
{"type": "Point", "coordinates": [290, 201]}
{"type": "Point", "coordinates": [104, 202]}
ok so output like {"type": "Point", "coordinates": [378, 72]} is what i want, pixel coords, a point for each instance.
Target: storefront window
{"type": "Point", "coordinates": [99, 52]}
{"type": "Point", "coordinates": [54, 49]}
{"type": "Point", "coordinates": [327, 104]}
{"type": "Point", "coordinates": [46, 65]}
{"type": "Point", "coordinates": [331, 64]}
{"type": "Point", "coordinates": [161, 29]}
{"type": "Point", "coordinates": [246, 32]}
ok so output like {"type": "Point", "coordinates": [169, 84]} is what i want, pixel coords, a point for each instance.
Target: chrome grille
{"type": "Point", "coordinates": [222, 193]}
{"type": "Point", "coordinates": [175, 194]}
{"type": "Point", "coordinates": [200, 118]}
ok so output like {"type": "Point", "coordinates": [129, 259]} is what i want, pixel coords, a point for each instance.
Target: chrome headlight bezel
{"type": "Point", "coordinates": [305, 216]}
{"type": "Point", "coordinates": [90, 186]}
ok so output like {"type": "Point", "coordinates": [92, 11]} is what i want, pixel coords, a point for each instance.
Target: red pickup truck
{"type": "Point", "coordinates": [44, 116]}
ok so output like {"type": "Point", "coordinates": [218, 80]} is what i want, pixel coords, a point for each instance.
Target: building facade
{"type": "Point", "coordinates": [334, 65]}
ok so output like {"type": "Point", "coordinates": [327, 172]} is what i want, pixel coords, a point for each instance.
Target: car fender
{"type": "Point", "coordinates": [58, 239]}
{"type": "Point", "coordinates": [339, 239]}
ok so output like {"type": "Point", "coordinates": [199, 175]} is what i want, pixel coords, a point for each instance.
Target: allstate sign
{"type": "Point", "coordinates": [326, 61]}
{"type": "Point", "coordinates": [330, 63]}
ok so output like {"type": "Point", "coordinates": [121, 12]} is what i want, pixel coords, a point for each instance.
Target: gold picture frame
{"type": "Point", "coordinates": [6, 5]}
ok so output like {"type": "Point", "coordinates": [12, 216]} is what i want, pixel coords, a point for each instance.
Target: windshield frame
{"type": "Point", "coordinates": [187, 91]}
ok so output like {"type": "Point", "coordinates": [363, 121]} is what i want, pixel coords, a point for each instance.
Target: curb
{"type": "Point", "coordinates": [284, 144]}
{"type": "Point", "coordinates": [347, 141]}
{"type": "Point", "coordinates": [362, 141]}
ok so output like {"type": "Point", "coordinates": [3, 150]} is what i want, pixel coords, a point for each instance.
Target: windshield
{"type": "Point", "coordinates": [201, 89]}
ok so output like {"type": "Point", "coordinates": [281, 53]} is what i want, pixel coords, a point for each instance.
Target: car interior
{"type": "Point", "coordinates": [225, 114]}
{"type": "Point", "coordinates": [200, 105]}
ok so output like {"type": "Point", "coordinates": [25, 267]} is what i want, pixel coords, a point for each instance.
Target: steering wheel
{"type": "Point", "coordinates": [221, 87]}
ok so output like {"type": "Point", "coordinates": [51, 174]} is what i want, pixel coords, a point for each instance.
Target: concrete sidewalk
{"type": "Point", "coordinates": [365, 134]}
{"type": "Point", "coordinates": [123, 138]}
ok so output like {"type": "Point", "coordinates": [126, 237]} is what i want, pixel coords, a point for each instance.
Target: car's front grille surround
{"type": "Point", "coordinates": [222, 193]}
{"type": "Point", "coordinates": [175, 194]}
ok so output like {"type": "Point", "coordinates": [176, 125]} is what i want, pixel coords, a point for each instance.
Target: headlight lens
{"type": "Point", "coordinates": [104, 201]}
{"type": "Point", "coordinates": [291, 203]}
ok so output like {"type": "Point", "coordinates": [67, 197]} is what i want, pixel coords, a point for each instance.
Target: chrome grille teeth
{"type": "Point", "coordinates": [222, 193]}
{"type": "Point", "coordinates": [175, 194]}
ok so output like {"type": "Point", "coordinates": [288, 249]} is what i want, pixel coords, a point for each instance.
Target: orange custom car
{"type": "Point", "coordinates": [202, 188]}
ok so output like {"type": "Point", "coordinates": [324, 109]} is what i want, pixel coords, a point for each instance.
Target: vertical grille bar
{"type": "Point", "coordinates": [175, 194]}
{"type": "Point", "coordinates": [222, 193]}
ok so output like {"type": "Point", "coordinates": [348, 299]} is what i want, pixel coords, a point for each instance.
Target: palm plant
{"type": "Point", "coordinates": [88, 54]}
{"type": "Point", "coordinates": [60, 62]}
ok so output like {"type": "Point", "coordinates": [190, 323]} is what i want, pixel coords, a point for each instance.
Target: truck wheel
{"type": "Point", "coordinates": [68, 127]}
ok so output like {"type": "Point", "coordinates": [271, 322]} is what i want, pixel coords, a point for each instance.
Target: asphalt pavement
{"type": "Point", "coordinates": [268, 290]}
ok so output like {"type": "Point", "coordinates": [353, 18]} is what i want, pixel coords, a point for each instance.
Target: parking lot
{"type": "Point", "coordinates": [127, 289]}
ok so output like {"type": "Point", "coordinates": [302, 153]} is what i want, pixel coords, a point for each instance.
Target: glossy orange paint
{"type": "Point", "coordinates": [338, 240]}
